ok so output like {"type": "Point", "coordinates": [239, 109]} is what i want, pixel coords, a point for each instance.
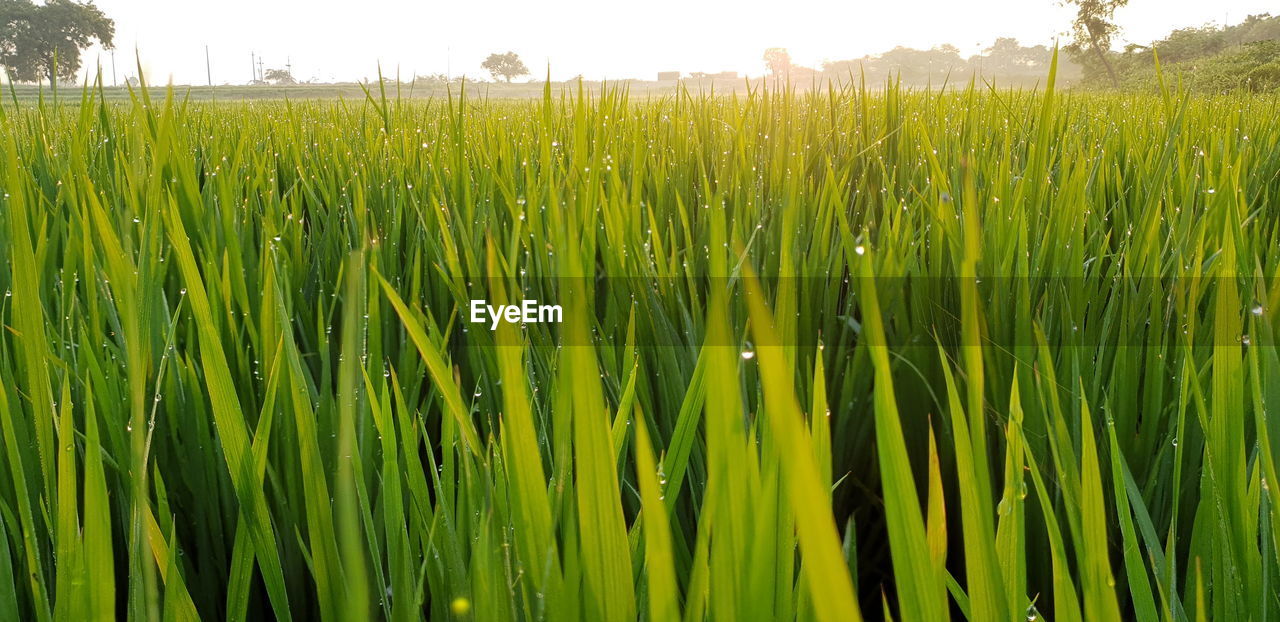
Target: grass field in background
{"type": "Point", "coordinates": [835, 355]}
{"type": "Point", "coordinates": [355, 91]}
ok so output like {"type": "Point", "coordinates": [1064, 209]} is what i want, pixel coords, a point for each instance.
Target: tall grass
{"type": "Point", "coordinates": [845, 354]}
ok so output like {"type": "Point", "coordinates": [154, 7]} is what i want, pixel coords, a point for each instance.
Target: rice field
{"type": "Point", "coordinates": [836, 355]}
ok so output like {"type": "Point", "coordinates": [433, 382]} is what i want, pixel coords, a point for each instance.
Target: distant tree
{"type": "Point", "coordinates": [505, 66]}
{"type": "Point", "coordinates": [435, 79]}
{"type": "Point", "coordinates": [1210, 59]}
{"type": "Point", "coordinates": [1092, 31]}
{"type": "Point", "coordinates": [44, 42]}
{"type": "Point", "coordinates": [1261, 27]}
{"type": "Point", "coordinates": [1188, 43]}
{"type": "Point", "coordinates": [280, 77]}
{"type": "Point", "coordinates": [914, 65]}
{"type": "Point", "coordinates": [1006, 56]}
{"type": "Point", "coordinates": [778, 60]}
{"type": "Point", "coordinates": [1004, 46]}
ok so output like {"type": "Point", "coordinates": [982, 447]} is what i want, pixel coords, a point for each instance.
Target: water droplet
{"type": "Point", "coordinates": [860, 249]}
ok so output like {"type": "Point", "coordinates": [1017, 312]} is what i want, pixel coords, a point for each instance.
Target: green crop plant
{"type": "Point", "coordinates": [831, 355]}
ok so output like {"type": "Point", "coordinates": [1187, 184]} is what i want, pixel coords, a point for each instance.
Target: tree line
{"type": "Point", "coordinates": [45, 41]}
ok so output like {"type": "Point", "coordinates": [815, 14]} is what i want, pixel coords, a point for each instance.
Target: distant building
{"type": "Point", "coordinates": [668, 76]}
{"type": "Point", "coordinates": [726, 75]}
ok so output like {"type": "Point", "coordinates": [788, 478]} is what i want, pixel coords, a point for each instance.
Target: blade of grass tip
{"type": "Point", "coordinates": [820, 421]}
{"type": "Point", "coordinates": [936, 515]}
{"type": "Point", "coordinates": [622, 421]}
{"type": "Point", "coordinates": [676, 461]}
{"type": "Point", "coordinates": [832, 588]}
{"type": "Point", "coordinates": [664, 596]}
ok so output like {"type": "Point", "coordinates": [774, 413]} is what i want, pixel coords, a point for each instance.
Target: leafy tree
{"type": "Point", "coordinates": [1092, 32]}
{"type": "Point", "coordinates": [1212, 59]}
{"type": "Point", "coordinates": [1006, 55]}
{"type": "Point", "coordinates": [505, 66]}
{"type": "Point", "coordinates": [921, 65]}
{"type": "Point", "coordinates": [1188, 43]}
{"type": "Point", "coordinates": [280, 76]}
{"type": "Point", "coordinates": [1263, 27]}
{"type": "Point", "coordinates": [44, 41]}
{"type": "Point", "coordinates": [778, 60]}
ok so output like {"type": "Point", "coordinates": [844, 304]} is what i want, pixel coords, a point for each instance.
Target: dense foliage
{"type": "Point", "coordinates": [44, 41]}
{"type": "Point", "coordinates": [978, 354]}
{"type": "Point", "coordinates": [1208, 59]}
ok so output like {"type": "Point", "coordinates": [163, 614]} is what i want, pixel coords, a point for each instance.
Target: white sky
{"type": "Point", "coordinates": [334, 40]}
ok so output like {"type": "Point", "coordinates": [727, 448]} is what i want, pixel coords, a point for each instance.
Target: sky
{"type": "Point", "coordinates": [329, 40]}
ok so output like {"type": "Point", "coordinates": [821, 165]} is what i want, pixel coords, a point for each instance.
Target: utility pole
{"type": "Point", "coordinates": [208, 66]}
{"type": "Point", "coordinates": [253, 67]}
{"type": "Point", "coordinates": [113, 69]}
